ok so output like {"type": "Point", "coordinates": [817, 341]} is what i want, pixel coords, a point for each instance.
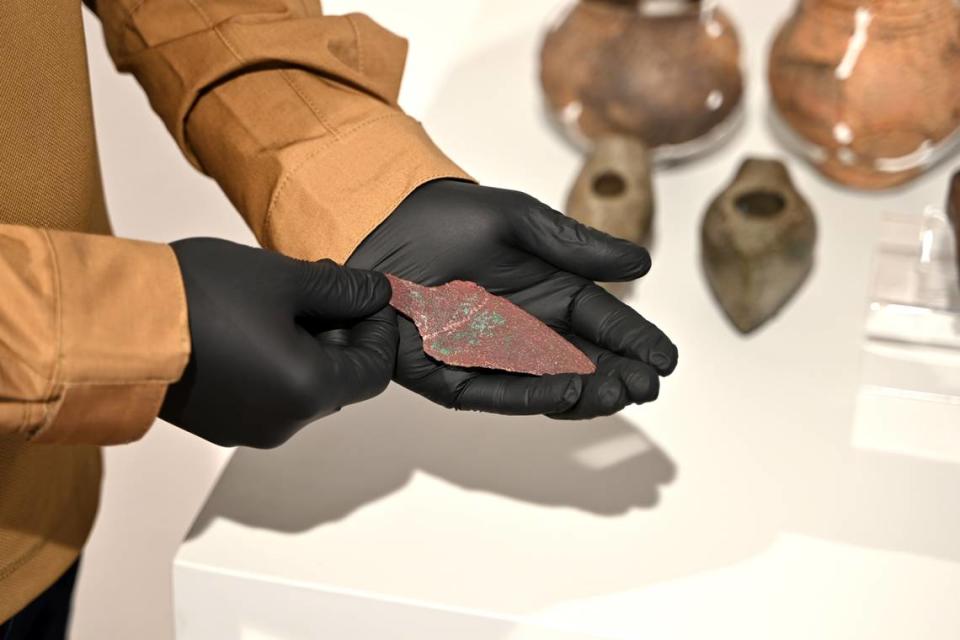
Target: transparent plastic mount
{"type": "Point", "coordinates": [913, 320]}
{"type": "Point", "coordinates": [915, 295]}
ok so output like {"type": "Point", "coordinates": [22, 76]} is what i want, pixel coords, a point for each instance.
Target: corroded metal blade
{"type": "Point", "coordinates": [464, 325]}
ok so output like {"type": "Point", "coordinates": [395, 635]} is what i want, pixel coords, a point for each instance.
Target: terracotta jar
{"type": "Point", "coordinates": [664, 71]}
{"type": "Point", "coordinates": [953, 213]}
{"type": "Point", "coordinates": [868, 90]}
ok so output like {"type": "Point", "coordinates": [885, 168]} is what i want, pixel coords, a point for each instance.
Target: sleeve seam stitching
{"type": "Point", "coordinates": [217, 30]}
{"type": "Point", "coordinates": [58, 315]}
{"type": "Point", "coordinates": [356, 37]}
{"type": "Point", "coordinates": [135, 8]}
{"type": "Point", "coordinates": [285, 181]}
{"type": "Point", "coordinates": [290, 80]}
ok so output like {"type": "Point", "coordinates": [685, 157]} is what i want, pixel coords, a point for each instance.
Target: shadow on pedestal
{"type": "Point", "coordinates": [337, 465]}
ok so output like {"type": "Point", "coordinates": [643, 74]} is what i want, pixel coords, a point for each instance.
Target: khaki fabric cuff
{"type": "Point", "coordinates": [341, 190]}
{"type": "Point", "coordinates": [123, 338]}
{"type": "Point", "coordinates": [103, 413]}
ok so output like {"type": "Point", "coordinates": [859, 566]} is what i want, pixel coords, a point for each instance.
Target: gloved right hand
{"type": "Point", "coordinates": [277, 343]}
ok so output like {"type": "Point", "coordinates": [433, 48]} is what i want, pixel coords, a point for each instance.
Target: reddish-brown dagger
{"type": "Point", "coordinates": [464, 325]}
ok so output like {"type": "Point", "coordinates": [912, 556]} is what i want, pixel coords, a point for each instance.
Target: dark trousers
{"type": "Point", "coordinates": [45, 618]}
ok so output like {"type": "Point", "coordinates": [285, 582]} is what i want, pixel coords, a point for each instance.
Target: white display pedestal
{"type": "Point", "coordinates": [769, 493]}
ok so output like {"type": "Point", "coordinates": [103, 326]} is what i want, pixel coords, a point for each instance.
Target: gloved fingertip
{"type": "Point", "coordinates": [335, 291]}
{"type": "Point", "coordinates": [573, 391]}
{"type": "Point", "coordinates": [643, 386]}
{"type": "Point", "coordinates": [382, 291]}
{"type": "Point", "coordinates": [564, 394]}
{"type": "Point", "coordinates": [654, 389]}
{"type": "Point", "coordinates": [665, 358]}
{"type": "Point", "coordinates": [371, 289]}
{"type": "Point", "coordinates": [610, 396]}
{"type": "Point", "coordinates": [625, 261]}
{"type": "Point", "coordinates": [637, 260]}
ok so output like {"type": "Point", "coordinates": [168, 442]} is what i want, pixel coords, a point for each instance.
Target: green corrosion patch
{"type": "Point", "coordinates": [486, 321]}
{"type": "Point", "coordinates": [481, 326]}
{"type": "Point", "coordinates": [442, 350]}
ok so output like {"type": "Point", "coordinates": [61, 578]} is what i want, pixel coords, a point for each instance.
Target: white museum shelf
{"type": "Point", "coordinates": [778, 488]}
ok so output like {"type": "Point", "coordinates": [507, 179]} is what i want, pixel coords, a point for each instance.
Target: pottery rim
{"type": "Point", "coordinates": [658, 8]}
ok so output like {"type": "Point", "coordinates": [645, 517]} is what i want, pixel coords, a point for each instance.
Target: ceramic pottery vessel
{"type": "Point", "coordinates": [664, 71]}
{"type": "Point", "coordinates": [758, 238]}
{"type": "Point", "coordinates": [953, 212]}
{"type": "Point", "coordinates": [614, 191]}
{"type": "Point", "coordinates": [868, 90]}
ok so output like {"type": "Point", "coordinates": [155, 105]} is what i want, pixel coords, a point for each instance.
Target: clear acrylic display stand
{"type": "Point", "coordinates": [915, 296]}
{"type": "Point", "coordinates": [910, 383]}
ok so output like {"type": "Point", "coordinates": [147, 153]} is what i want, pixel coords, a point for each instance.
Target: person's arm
{"type": "Point", "coordinates": [292, 112]}
{"type": "Point", "coordinates": [96, 335]}
{"type": "Point", "coordinates": [92, 331]}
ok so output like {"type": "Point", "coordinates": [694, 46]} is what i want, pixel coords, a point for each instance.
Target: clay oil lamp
{"type": "Point", "coordinates": [614, 191]}
{"type": "Point", "coordinates": [758, 238]}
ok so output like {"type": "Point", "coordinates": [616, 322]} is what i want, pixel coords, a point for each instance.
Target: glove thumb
{"type": "Point", "coordinates": [334, 292]}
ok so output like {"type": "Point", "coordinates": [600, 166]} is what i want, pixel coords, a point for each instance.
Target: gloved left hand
{"type": "Point", "coordinates": [541, 260]}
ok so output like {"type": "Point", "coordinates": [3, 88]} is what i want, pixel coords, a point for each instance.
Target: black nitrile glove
{"type": "Point", "coordinates": [277, 343]}
{"type": "Point", "coordinates": [546, 263]}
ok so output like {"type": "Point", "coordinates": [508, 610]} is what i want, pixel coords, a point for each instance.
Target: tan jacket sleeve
{"type": "Point", "coordinates": [92, 330]}
{"type": "Point", "coordinates": [292, 112]}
